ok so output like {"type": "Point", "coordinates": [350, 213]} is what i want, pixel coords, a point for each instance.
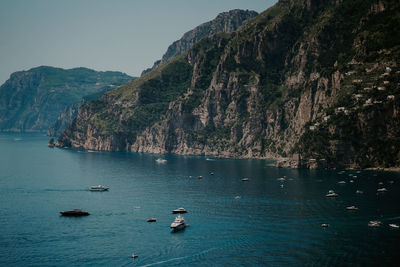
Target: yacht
{"type": "Point", "coordinates": [178, 224]}
{"type": "Point", "coordinates": [74, 213]}
{"type": "Point", "coordinates": [98, 188]}
{"type": "Point", "coordinates": [331, 193]}
{"type": "Point", "coordinates": [180, 210]}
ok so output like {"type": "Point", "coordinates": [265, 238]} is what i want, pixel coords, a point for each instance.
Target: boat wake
{"type": "Point", "coordinates": [180, 258]}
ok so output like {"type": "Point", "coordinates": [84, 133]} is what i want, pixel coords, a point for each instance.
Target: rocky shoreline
{"type": "Point", "coordinates": [321, 164]}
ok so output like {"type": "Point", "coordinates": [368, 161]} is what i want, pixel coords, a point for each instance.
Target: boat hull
{"type": "Point", "coordinates": [99, 190]}
{"type": "Point", "coordinates": [74, 213]}
{"type": "Point", "coordinates": [179, 211]}
{"type": "Point", "coordinates": [178, 228]}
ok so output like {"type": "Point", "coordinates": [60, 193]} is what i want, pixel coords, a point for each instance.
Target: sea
{"type": "Point", "coordinates": [273, 219]}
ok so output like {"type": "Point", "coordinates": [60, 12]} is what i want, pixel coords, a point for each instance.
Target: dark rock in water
{"type": "Point", "coordinates": [51, 143]}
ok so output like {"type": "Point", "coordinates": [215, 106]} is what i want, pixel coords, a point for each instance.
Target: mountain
{"type": "Point", "coordinates": [67, 115]}
{"type": "Point", "coordinates": [225, 22]}
{"type": "Point", "coordinates": [316, 81]}
{"type": "Point", "coordinates": [30, 101]}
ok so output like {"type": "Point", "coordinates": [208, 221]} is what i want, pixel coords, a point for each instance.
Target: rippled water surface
{"type": "Point", "coordinates": [263, 221]}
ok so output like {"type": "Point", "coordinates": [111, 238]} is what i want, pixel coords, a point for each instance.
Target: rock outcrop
{"type": "Point", "coordinates": [314, 79]}
{"type": "Point", "coordinates": [67, 115]}
{"type": "Point", "coordinates": [225, 22]}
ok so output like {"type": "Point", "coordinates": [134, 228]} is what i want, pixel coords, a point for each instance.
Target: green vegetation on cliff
{"type": "Point", "coordinates": [315, 78]}
{"type": "Point", "coordinates": [32, 100]}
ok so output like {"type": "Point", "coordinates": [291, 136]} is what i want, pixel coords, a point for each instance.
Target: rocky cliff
{"type": "Point", "coordinates": [67, 115]}
{"type": "Point", "coordinates": [31, 100]}
{"type": "Point", "coordinates": [317, 81]}
{"type": "Point", "coordinates": [225, 22]}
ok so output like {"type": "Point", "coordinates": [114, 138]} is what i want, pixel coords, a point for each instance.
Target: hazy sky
{"type": "Point", "coordinates": [123, 35]}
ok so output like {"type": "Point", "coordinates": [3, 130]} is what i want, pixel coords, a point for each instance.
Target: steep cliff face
{"type": "Point", "coordinates": [31, 100]}
{"type": "Point", "coordinates": [315, 79]}
{"type": "Point", "coordinates": [225, 22]}
{"type": "Point", "coordinates": [66, 116]}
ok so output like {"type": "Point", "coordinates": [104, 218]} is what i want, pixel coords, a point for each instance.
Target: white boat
{"type": "Point", "coordinates": [98, 188]}
{"type": "Point", "coordinates": [180, 210]}
{"type": "Point", "coordinates": [382, 190]}
{"type": "Point", "coordinates": [342, 182]}
{"type": "Point", "coordinates": [394, 225]}
{"type": "Point", "coordinates": [159, 160]}
{"type": "Point", "coordinates": [245, 179]}
{"type": "Point", "coordinates": [178, 224]}
{"type": "Point", "coordinates": [374, 223]}
{"type": "Point", "coordinates": [351, 208]}
{"type": "Point", "coordinates": [331, 193]}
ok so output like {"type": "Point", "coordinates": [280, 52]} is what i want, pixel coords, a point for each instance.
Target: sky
{"type": "Point", "coordinates": [119, 35]}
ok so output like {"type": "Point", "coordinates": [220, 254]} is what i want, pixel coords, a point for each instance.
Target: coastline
{"type": "Point", "coordinates": [293, 162]}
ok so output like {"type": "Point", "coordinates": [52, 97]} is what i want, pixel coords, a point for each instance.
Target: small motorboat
{"type": "Point", "coordinates": [245, 179]}
{"type": "Point", "coordinates": [134, 256]}
{"type": "Point", "coordinates": [200, 177]}
{"type": "Point", "coordinates": [151, 220]}
{"type": "Point", "coordinates": [351, 208]}
{"type": "Point", "coordinates": [381, 190]}
{"type": "Point", "coordinates": [178, 224]}
{"type": "Point", "coordinates": [98, 188]}
{"type": "Point", "coordinates": [331, 193]}
{"type": "Point", "coordinates": [342, 182]}
{"type": "Point", "coordinates": [359, 192]}
{"type": "Point", "coordinates": [374, 223]}
{"type": "Point", "coordinates": [160, 160]}
{"type": "Point", "coordinates": [393, 225]}
{"type": "Point", "coordinates": [180, 210]}
{"type": "Point", "coordinates": [74, 213]}
{"type": "Point", "coordinates": [325, 225]}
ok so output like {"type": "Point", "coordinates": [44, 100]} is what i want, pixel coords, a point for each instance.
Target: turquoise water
{"type": "Point", "coordinates": [268, 225]}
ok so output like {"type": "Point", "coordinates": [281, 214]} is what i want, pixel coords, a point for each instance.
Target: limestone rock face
{"type": "Point", "coordinates": [282, 86]}
{"type": "Point", "coordinates": [225, 22]}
